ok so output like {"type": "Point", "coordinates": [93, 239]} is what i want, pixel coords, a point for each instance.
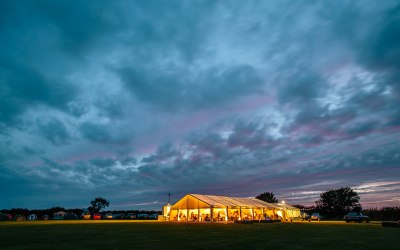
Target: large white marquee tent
{"type": "Point", "coordinates": [198, 208]}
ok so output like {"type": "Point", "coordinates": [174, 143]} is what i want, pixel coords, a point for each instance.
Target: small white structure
{"type": "Point", "coordinates": [60, 213]}
{"type": "Point", "coordinates": [32, 217]}
{"type": "Point", "coordinates": [166, 212]}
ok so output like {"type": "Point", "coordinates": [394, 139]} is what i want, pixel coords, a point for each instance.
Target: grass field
{"type": "Point", "coordinates": [164, 235]}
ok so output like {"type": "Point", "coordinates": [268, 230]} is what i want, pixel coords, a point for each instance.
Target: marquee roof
{"type": "Point", "coordinates": [286, 206]}
{"type": "Point", "coordinates": [204, 201]}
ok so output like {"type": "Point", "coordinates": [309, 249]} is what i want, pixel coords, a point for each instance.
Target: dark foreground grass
{"type": "Point", "coordinates": [162, 235]}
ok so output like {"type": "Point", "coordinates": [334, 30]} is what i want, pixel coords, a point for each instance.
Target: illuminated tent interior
{"type": "Point", "coordinates": [198, 207]}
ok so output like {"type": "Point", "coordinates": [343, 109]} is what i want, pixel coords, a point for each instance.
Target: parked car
{"type": "Point", "coordinates": [153, 216]}
{"type": "Point", "coordinates": [32, 217]}
{"type": "Point", "coordinates": [142, 216]}
{"type": "Point", "coordinates": [96, 216]}
{"type": "Point", "coordinates": [315, 216]}
{"type": "Point", "coordinates": [19, 217]}
{"type": "Point", "coordinates": [44, 217]}
{"type": "Point", "coordinates": [356, 217]}
{"type": "Point", "coordinates": [70, 216]}
{"type": "Point", "coordinates": [119, 216]}
{"type": "Point", "coordinates": [108, 216]}
{"type": "Point", "coordinates": [131, 216]}
{"type": "Point", "coordinates": [86, 215]}
{"type": "Point", "coordinates": [58, 217]}
{"type": "Point", "coordinates": [304, 216]}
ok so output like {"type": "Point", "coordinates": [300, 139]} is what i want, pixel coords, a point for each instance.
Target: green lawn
{"type": "Point", "coordinates": [164, 235]}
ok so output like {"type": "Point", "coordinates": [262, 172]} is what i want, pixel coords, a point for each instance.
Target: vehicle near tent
{"type": "Point", "coordinates": [153, 216]}
{"type": "Point", "coordinates": [86, 215]}
{"type": "Point", "coordinates": [59, 215]}
{"type": "Point", "coordinates": [32, 217]}
{"type": "Point", "coordinates": [44, 217]}
{"type": "Point", "coordinates": [70, 216]}
{"type": "Point", "coordinates": [19, 217]}
{"type": "Point", "coordinates": [356, 217]}
{"type": "Point", "coordinates": [131, 216]}
{"type": "Point", "coordinates": [96, 216]}
{"type": "Point", "coordinates": [315, 216]}
{"type": "Point", "coordinates": [142, 216]}
{"type": "Point", "coordinates": [304, 216]}
{"type": "Point", "coordinates": [119, 216]}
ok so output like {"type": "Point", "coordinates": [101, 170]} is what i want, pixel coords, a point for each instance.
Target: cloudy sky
{"type": "Point", "coordinates": [131, 100]}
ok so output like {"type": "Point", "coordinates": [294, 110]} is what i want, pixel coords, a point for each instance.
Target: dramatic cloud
{"type": "Point", "coordinates": [131, 100]}
{"type": "Point", "coordinates": [176, 90]}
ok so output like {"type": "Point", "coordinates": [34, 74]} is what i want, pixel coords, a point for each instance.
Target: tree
{"type": "Point", "coordinates": [99, 203]}
{"type": "Point", "coordinates": [268, 197]}
{"type": "Point", "coordinates": [338, 202]}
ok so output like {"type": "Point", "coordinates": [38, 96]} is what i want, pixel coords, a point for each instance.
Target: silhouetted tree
{"type": "Point", "coordinates": [99, 203]}
{"type": "Point", "coordinates": [268, 197]}
{"type": "Point", "coordinates": [337, 202]}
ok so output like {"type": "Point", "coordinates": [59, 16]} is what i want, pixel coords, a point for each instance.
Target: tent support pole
{"type": "Point", "coordinates": [187, 209]}
{"type": "Point", "coordinates": [212, 214]}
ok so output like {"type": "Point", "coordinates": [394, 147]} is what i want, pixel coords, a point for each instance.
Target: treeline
{"type": "Point", "coordinates": [379, 214]}
{"type": "Point", "coordinates": [131, 211]}
{"type": "Point", "coordinates": [383, 214]}
{"type": "Point", "coordinates": [50, 211]}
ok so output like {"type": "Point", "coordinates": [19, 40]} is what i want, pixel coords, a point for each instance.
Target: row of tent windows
{"type": "Point", "coordinates": [224, 214]}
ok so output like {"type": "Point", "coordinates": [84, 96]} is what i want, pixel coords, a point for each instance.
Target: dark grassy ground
{"type": "Point", "coordinates": [162, 235]}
